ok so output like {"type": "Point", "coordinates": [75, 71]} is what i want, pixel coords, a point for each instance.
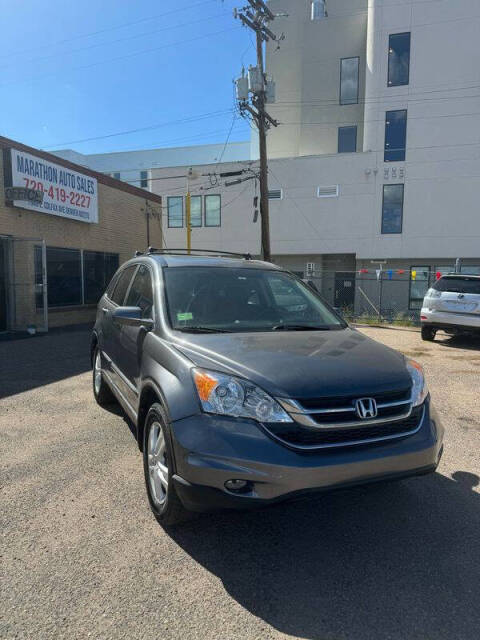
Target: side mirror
{"type": "Point", "coordinates": [131, 316]}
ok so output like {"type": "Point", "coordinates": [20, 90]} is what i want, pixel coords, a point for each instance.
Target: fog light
{"type": "Point", "coordinates": [237, 485]}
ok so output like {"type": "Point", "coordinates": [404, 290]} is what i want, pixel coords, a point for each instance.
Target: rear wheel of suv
{"type": "Point", "coordinates": [101, 390]}
{"type": "Point", "coordinates": [158, 469]}
{"type": "Point", "coordinates": [428, 333]}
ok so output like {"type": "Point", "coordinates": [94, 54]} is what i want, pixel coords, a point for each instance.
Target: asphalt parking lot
{"type": "Point", "coordinates": [83, 557]}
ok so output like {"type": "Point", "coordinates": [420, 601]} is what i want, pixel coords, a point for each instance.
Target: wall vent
{"type": "Point", "coordinates": [327, 192]}
{"type": "Point", "coordinates": [275, 194]}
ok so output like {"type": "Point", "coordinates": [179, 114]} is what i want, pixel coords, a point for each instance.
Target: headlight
{"type": "Point", "coordinates": [419, 387]}
{"type": "Point", "coordinates": [230, 396]}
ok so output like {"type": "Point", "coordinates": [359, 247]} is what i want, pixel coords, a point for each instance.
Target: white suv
{"type": "Point", "coordinates": [452, 304]}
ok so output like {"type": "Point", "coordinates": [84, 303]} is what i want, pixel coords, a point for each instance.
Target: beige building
{"type": "Point", "coordinates": [64, 230]}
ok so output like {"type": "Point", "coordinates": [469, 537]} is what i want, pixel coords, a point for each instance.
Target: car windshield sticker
{"type": "Point", "coordinates": [184, 316]}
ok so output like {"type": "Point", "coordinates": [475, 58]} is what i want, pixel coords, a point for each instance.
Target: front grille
{"type": "Point", "coordinates": [318, 404]}
{"type": "Point", "coordinates": [332, 411]}
{"type": "Point", "coordinates": [311, 437]}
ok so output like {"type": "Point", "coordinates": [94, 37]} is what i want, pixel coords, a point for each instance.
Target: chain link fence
{"type": "Point", "coordinates": [383, 296]}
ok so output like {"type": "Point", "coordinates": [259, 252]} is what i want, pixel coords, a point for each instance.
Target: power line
{"type": "Point", "coordinates": [390, 97]}
{"type": "Point", "coordinates": [105, 44]}
{"type": "Point", "coordinates": [219, 133]}
{"type": "Point", "coordinates": [362, 122]}
{"type": "Point", "coordinates": [202, 116]}
{"type": "Point", "coordinates": [114, 28]}
{"type": "Point", "coordinates": [125, 57]}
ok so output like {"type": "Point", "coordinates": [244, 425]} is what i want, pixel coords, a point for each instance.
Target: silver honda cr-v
{"type": "Point", "coordinates": [246, 388]}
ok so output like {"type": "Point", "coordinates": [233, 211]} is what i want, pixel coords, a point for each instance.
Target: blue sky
{"type": "Point", "coordinates": [76, 70]}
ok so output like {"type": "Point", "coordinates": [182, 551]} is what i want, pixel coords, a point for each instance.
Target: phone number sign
{"type": "Point", "coordinates": [66, 193]}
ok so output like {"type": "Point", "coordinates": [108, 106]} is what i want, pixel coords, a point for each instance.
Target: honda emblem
{"type": "Point", "coordinates": [366, 408]}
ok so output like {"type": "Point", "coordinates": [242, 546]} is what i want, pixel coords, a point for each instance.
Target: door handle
{"type": "Point", "coordinates": [104, 310]}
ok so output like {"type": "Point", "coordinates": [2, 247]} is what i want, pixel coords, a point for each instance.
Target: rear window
{"type": "Point", "coordinates": [460, 284]}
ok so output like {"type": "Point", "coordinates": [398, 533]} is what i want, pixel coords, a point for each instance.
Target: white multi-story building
{"type": "Point", "coordinates": [377, 156]}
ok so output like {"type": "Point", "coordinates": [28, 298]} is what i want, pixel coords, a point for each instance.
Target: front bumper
{"type": "Point", "coordinates": [442, 319]}
{"type": "Point", "coordinates": [209, 450]}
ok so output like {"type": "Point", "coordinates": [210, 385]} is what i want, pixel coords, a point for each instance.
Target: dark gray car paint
{"type": "Point", "coordinates": [209, 449]}
{"type": "Point", "coordinates": [301, 364]}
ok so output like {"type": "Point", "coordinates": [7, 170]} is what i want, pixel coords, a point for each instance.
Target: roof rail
{"type": "Point", "coordinates": [212, 252]}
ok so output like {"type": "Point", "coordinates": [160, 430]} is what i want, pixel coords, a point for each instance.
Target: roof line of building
{"type": "Point", "coordinates": [189, 146]}
{"type": "Point", "coordinates": [100, 177]}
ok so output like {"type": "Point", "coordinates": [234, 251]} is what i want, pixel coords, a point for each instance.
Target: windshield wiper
{"type": "Point", "coordinates": [299, 327]}
{"type": "Point", "coordinates": [201, 330]}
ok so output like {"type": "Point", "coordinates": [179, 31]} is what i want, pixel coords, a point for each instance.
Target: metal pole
{"type": "Point", "coordinates": [262, 136]}
{"type": "Point", "coordinates": [188, 202]}
{"type": "Point", "coordinates": [147, 214]}
{"type": "Point", "coordinates": [45, 285]}
{"type": "Point", "coordinates": [381, 295]}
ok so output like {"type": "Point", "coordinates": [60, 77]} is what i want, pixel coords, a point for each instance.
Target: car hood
{"type": "Point", "coordinates": [298, 364]}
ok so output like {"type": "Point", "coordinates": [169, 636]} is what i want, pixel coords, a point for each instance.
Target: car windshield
{"type": "Point", "coordinates": [460, 284]}
{"type": "Point", "coordinates": [208, 299]}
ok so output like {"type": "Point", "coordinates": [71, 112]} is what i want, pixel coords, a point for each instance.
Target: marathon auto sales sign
{"type": "Point", "coordinates": [66, 193]}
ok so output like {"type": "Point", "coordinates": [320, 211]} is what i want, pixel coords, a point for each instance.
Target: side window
{"type": "Point", "coordinates": [123, 280]}
{"type": "Point", "coordinates": [111, 286]}
{"type": "Point", "coordinates": [141, 292]}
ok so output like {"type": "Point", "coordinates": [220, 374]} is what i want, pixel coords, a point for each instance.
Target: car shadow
{"type": "Point", "coordinates": [116, 409]}
{"type": "Point", "coordinates": [397, 560]}
{"type": "Point", "coordinates": [470, 342]}
{"type": "Point", "coordinates": [37, 361]}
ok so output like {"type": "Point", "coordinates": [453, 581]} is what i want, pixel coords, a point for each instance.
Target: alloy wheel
{"type": "Point", "coordinates": [157, 464]}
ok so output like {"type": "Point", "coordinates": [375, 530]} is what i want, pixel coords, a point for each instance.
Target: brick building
{"type": "Point", "coordinates": [64, 230]}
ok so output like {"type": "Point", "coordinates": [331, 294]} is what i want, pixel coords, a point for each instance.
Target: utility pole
{"type": "Point", "coordinates": [257, 16]}
{"type": "Point", "coordinates": [191, 175]}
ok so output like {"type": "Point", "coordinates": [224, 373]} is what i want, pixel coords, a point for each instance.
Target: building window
{"type": "Point", "coordinates": [212, 211]}
{"type": "Point", "coordinates": [395, 135]}
{"type": "Point", "coordinates": [349, 68]}
{"type": "Point", "coordinates": [144, 179]}
{"type": "Point", "coordinates": [64, 277]}
{"type": "Point", "coordinates": [67, 285]}
{"type": "Point", "coordinates": [98, 270]}
{"type": "Point", "coordinates": [195, 211]}
{"type": "Point", "coordinates": [318, 10]}
{"type": "Point", "coordinates": [116, 175]}
{"type": "Point", "coordinates": [399, 59]}
{"type": "Point", "coordinates": [175, 211]}
{"type": "Point", "coordinates": [347, 139]}
{"type": "Point", "coordinates": [419, 283]}
{"type": "Point", "coordinates": [392, 210]}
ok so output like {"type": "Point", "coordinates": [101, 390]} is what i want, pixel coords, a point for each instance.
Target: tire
{"type": "Point", "coordinates": [159, 469]}
{"type": "Point", "coordinates": [428, 333]}
{"type": "Point", "coordinates": [101, 391]}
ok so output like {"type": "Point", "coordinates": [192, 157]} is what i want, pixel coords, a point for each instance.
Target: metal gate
{"type": "Point", "coordinates": [26, 284]}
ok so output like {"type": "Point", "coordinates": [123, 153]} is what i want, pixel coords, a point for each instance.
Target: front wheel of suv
{"type": "Point", "coordinates": [158, 469]}
{"type": "Point", "coordinates": [428, 333]}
